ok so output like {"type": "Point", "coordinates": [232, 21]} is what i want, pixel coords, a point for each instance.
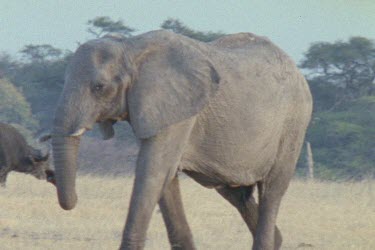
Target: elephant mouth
{"type": "Point", "coordinates": [123, 117]}
{"type": "Point", "coordinates": [106, 129]}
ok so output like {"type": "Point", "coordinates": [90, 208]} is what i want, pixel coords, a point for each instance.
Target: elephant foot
{"type": "Point", "coordinates": [278, 239]}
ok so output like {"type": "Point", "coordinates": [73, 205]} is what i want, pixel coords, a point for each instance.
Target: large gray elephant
{"type": "Point", "coordinates": [231, 114]}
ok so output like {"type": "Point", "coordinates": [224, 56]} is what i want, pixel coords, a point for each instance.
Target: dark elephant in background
{"type": "Point", "coordinates": [17, 155]}
{"type": "Point", "coordinates": [231, 114]}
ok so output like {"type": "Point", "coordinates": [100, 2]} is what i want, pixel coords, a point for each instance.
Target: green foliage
{"type": "Point", "coordinates": [178, 27]}
{"type": "Point", "coordinates": [344, 141]}
{"type": "Point", "coordinates": [342, 71]}
{"type": "Point", "coordinates": [14, 108]}
{"type": "Point", "coordinates": [41, 82]}
{"type": "Point", "coordinates": [104, 24]}
{"type": "Point", "coordinates": [7, 65]}
{"type": "Point", "coordinates": [341, 76]}
{"type": "Point", "coordinates": [40, 53]}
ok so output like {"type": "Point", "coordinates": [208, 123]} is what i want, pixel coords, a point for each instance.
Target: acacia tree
{"type": "Point", "coordinates": [341, 77]}
{"type": "Point", "coordinates": [342, 71]}
{"type": "Point", "coordinates": [40, 53]}
{"type": "Point", "coordinates": [103, 24]}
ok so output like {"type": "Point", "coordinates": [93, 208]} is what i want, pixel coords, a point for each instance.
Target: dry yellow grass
{"type": "Point", "coordinates": [313, 216]}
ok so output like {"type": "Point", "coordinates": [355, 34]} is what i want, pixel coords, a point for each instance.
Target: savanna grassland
{"type": "Point", "coordinates": [314, 215]}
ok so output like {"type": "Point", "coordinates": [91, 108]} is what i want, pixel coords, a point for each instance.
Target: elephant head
{"type": "Point", "coordinates": [152, 81]}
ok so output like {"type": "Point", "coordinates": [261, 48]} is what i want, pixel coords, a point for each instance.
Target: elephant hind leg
{"type": "Point", "coordinates": [273, 188]}
{"type": "Point", "coordinates": [242, 198]}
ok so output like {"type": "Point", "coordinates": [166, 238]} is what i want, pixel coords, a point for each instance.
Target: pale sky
{"type": "Point", "coordinates": [291, 24]}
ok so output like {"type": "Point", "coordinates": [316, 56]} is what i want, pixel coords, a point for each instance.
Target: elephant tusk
{"type": "Point", "coordinates": [79, 132]}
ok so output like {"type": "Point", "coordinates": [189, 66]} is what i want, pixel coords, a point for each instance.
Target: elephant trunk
{"type": "Point", "coordinates": [65, 153]}
{"type": "Point", "coordinates": [69, 124]}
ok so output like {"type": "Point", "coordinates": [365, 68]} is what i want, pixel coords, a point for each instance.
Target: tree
{"type": "Point", "coordinates": [345, 70]}
{"type": "Point", "coordinates": [104, 24]}
{"type": "Point", "coordinates": [341, 76]}
{"type": "Point", "coordinates": [7, 65]}
{"type": "Point", "coordinates": [41, 77]}
{"type": "Point", "coordinates": [14, 108]}
{"type": "Point", "coordinates": [344, 141]}
{"type": "Point", "coordinates": [178, 27]}
{"type": "Point", "coordinates": [40, 53]}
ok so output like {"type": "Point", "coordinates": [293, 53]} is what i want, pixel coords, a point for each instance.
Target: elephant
{"type": "Point", "coordinates": [231, 114]}
{"type": "Point", "coordinates": [17, 155]}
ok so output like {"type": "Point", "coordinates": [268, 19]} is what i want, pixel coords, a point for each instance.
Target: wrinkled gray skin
{"type": "Point", "coordinates": [231, 114]}
{"type": "Point", "coordinates": [17, 155]}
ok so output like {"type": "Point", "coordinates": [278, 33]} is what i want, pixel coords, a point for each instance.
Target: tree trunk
{"type": "Point", "coordinates": [310, 161]}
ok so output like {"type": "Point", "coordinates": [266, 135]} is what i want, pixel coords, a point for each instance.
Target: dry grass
{"type": "Point", "coordinates": [313, 216]}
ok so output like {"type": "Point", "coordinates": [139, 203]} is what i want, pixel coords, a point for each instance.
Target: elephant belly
{"type": "Point", "coordinates": [216, 165]}
{"type": "Point", "coordinates": [234, 143]}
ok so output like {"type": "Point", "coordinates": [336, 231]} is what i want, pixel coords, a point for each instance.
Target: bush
{"type": "Point", "coordinates": [343, 142]}
{"type": "Point", "coordinates": [14, 108]}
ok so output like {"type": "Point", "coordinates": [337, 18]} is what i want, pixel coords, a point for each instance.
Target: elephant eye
{"type": "Point", "coordinates": [118, 78]}
{"type": "Point", "coordinates": [98, 87]}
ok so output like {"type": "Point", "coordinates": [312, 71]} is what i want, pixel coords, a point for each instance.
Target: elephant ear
{"type": "Point", "coordinates": [174, 83]}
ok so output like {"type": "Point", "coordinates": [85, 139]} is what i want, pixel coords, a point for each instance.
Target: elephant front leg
{"type": "Point", "coordinates": [157, 164]}
{"type": "Point", "coordinates": [179, 233]}
{"type": "Point", "coordinates": [146, 192]}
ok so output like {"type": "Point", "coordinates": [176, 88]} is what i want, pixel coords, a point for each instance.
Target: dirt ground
{"type": "Point", "coordinates": [313, 215]}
